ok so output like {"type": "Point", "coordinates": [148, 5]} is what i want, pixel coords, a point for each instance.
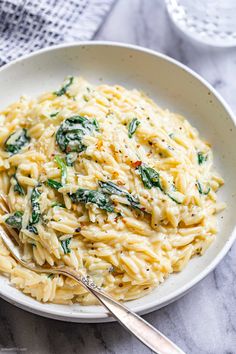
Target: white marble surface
{"type": "Point", "coordinates": [203, 321]}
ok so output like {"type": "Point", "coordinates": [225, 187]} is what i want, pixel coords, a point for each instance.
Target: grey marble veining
{"type": "Point", "coordinates": [204, 320]}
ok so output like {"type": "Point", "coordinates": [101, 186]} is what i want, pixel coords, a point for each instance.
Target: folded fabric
{"type": "Point", "coordinates": [27, 25]}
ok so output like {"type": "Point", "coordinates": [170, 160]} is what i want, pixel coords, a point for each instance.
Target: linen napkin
{"type": "Point", "coordinates": [28, 25]}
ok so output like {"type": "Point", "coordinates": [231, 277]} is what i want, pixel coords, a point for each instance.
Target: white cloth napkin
{"type": "Point", "coordinates": [27, 25]}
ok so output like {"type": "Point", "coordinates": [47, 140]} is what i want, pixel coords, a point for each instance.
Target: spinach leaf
{"type": "Point", "coordinates": [111, 189]}
{"type": "Point", "coordinates": [65, 244]}
{"type": "Point", "coordinates": [15, 220]}
{"type": "Point", "coordinates": [32, 228]}
{"type": "Point", "coordinates": [134, 202]}
{"type": "Point", "coordinates": [133, 125]}
{"type": "Point", "coordinates": [201, 188]}
{"type": "Point", "coordinates": [92, 196]}
{"type": "Point", "coordinates": [61, 164]}
{"type": "Point", "coordinates": [95, 123]}
{"type": "Point", "coordinates": [71, 158]}
{"type": "Point", "coordinates": [17, 187]}
{"type": "Point", "coordinates": [150, 177]}
{"type": "Point", "coordinates": [172, 198]}
{"type": "Point", "coordinates": [35, 195]}
{"type": "Point", "coordinates": [16, 141]}
{"type": "Point", "coordinates": [54, 114]}
{"type": "Point", "coordinates": [54, 184]}
{"type": "Point", "coordinates": [201, 158]}
{"type": "Point", "coordinates": [71, 131]}
{"type": "Point", "coordinates": [64, 88]}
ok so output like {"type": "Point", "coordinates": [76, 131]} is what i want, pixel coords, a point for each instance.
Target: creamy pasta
{"type": "Point", "coordinates": [99, 178]}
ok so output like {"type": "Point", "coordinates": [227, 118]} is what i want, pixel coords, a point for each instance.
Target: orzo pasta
{"type": "Point", "coordinates": [101, 179]}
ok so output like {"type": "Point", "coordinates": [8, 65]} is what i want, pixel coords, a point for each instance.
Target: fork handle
{"type": "Point", "coordinates": [147, 334]}
{"type": "Point", "coordinates": [143, 331]}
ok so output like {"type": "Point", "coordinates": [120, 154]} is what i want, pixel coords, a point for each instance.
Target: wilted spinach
{"type": "Point", "coordinates": [173, 198]}
{"type": "Point", "coordinates": [71, 131]}
{"type": "Point", "coordinates": [92, 196]}
{"type": "Point", "coordinates": [201, 188]}
{"type": "Point", "coordinates": [16, 141]}
{"type": "Point", "coordinates": [71, 158]}
{"type": "Point", "coordinates": [61, 164]}
{"type": "Point", "coordinates": [64, 88]}
{"type": "Point", "coordinates": [32, 228]}
{"type": "Point", "coordinates": [65, 244]}
{"type": "Point", "coordinates": [150, 177]}
{"type": "Point", "coordinates": [133, 125]}
{"type": "Point", "coordinates": [52, 115]}
{"type": "Point", "coordinates": [111, 189]}
{"type": "Point", "coordinates": [17, 187]}
{"type": "Point", "coordinates": [54, 184]}
{"type": "Point", "coordinates": [35, 195]}
{"type": "Point", "coordinates": [201, 158]}
{"type": "Point", "coordinates": [15, 220]}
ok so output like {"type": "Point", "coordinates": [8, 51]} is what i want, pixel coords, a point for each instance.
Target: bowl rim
{"type": "Point", "coordinates": [74, 316]}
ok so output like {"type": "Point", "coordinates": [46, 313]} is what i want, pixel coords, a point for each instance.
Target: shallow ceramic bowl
{"type": "Point", "coordinates": [171, 85]}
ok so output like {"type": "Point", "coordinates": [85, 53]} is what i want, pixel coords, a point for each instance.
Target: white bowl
{"type": "Point", "coordinates": [172, 85]}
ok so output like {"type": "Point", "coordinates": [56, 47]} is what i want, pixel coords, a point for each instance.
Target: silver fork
{"type": "Point", "coordinates": [143, 331]}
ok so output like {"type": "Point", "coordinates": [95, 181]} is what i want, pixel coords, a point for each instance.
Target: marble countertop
{"type": "Point", "coordinates": [204, 320]}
